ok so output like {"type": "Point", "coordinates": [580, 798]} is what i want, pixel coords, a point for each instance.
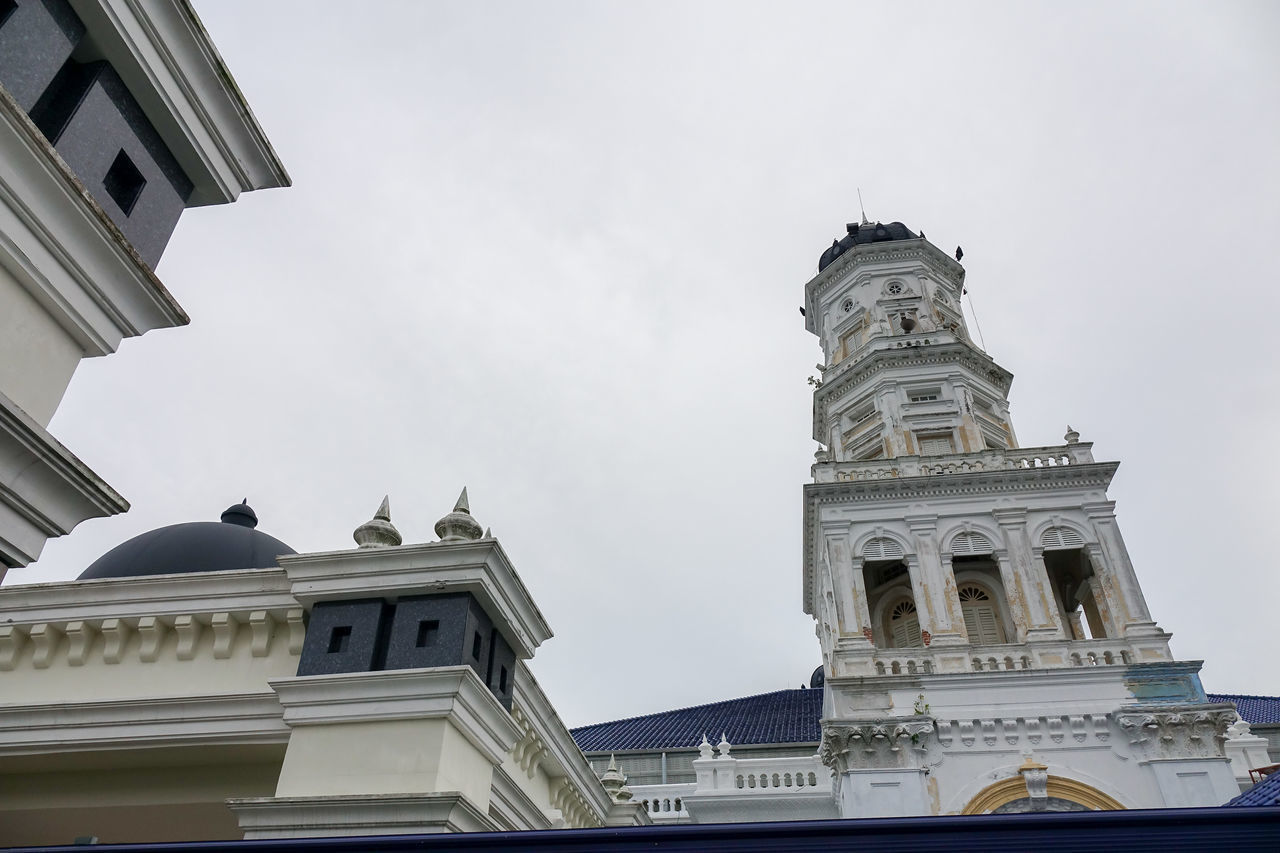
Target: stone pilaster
{"type": "Point", "coordinates": [933, 585]}
{"type": "Point", "coordinates": [1014, 594]}
{"type": "Point", "coordinates": [1043, 621]}
{"type": "Point", "coordinates": [1131, 607]}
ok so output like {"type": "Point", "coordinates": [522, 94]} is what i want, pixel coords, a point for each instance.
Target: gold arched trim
{"type": "Point", "coordinates": [1006, 791]}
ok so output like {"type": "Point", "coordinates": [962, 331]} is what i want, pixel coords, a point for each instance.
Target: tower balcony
{"type": "Point", "coordinates": [1033, 655]}
{"type": "Point", "coordinates": [1079, 453]}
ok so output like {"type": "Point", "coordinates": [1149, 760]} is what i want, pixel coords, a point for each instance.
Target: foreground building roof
{"type": "Point", "coordinates": [783, 716]}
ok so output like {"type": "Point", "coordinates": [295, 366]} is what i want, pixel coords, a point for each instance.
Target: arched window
{"type": "Point", "coordinates": [1058, 538]}
{"type": "Point", "coordinates": [904, 625]}
{"type": "Point", "coordinates": [981, 619]}
{"type": "Point", "coordinates": [970, 544]}
{"type": "Point", "coordinates": [881, 548]}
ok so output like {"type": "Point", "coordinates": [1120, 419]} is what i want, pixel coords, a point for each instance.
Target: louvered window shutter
{"type": "Point", "coordinates": [882, 549]}
{"type": "Point", "coordinates": [906, 632]}
{"type": "Point", "coordinates": [936, 446]}
{"type": "Point", "coordinates": [1061, 537]}
{"type": "Point", "coordinates": [968, 544]}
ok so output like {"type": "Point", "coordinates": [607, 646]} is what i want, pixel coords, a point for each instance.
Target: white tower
{"type": "Point", "coordinates": [985, 640]}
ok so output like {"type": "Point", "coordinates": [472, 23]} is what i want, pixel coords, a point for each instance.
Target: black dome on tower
{"type": "Point", "coordinates": [864, 233]}
{"type": "Point", "coordinates": [196, 546]}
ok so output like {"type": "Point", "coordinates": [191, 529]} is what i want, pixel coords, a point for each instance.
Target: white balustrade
{"type": "Point", "coordinates": [664, 803]}
{"type": "Point", "coordinates": [1007, 657]}
{"type": "Point", "coordinates": [771, 777]}
{"type": "Point", "coordinates": [960, 463]}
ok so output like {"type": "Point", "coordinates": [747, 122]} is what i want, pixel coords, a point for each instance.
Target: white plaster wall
{"type": "Point", "coordinates": [37, 356]}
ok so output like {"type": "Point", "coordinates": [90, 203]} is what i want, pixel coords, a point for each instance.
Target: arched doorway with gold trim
{"type": "Point", "coordinates": [1008, 792]}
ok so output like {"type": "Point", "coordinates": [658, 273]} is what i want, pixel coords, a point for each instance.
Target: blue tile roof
{"type": "Point", "coordinates": [1254, 709]}
{"type": "Point", "coordinates": [784, 716]}
{"type": "Point", "coordinates": [1265, 793]}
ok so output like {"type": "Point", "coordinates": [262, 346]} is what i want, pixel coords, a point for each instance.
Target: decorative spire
{"type": "Point", "coordinates": [1072, 437]}
{"type": "Point", "coordinates": [378, 532]}
{"type": "Point", "coordinates": [615, 783]}
{"type": "Point", "coordinates": [704, 748]}
{"type": "Point", "coordinates": [459, 526]}
{"type": "Point", "coordinates": [723, 746]}
{"type": "Point", "coordinates": [241, 514]}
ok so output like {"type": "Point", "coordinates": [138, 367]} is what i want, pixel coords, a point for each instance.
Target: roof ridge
{"type": "Point", "coordinates": [691, 708]}
{"type": "Point", "coordinates": [1244, 695]}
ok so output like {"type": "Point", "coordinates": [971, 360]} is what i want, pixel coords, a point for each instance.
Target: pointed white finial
{"type": "Point", "coordinates": [723, 746]}
{"type": "Point", "coordinates": [488, 533]}
{"type": "Point", "coordinates": [704, 748]}
{"type": "Point", "coordinates": [378, 532]}
{"type": "Point", "coordinates": [615, 783]}
{"type": "Point", "coordinates": [459, 526]}
{"type": "Point", "coordinates": [1072, 437]}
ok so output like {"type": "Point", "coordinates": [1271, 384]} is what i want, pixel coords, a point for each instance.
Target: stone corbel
{"type": "Point", "coordinates": [261, 626]}
{"type": "Point", "coordinates": [873, 744]}
{"type": "Point", "coordinates": [79, 640]}
{"type": "Point", "coordinates": [1036, 777]}
{"type": "Point", "coordinates": [1196, 731]}
{"type": "Point", "coordinates": [293, 617]}
{"type": "Point", "coordinates": [150, 634]}
{"type": "Point", "coordinates": [114, 634]}
{"type": "Point", "coordinates": [187, 628]}
{"type": "Point", "coordinates": [44, 642]}
{"type": "Point", "coordinates": [12, 639]}
{"type": "Point", "coordinates": [224, 634]}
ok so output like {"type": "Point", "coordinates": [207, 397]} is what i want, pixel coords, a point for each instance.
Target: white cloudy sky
{"type": "Point", "coordinates": [554, 252]}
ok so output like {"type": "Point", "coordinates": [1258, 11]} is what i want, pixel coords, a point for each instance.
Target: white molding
{"type": "Point", "coordinates": [479, 567]}
{"type": "Point", "coordinates": [64, 249]}
{"type": "Point", "coordinates": [358, 814]}
{"type": "Point", "coordinates": [240, 591]}
{"type": "Point", "coordinates": [568, 758]}
{"type": "Point", "coordinates": [45, 490]}
{"type": "Point", "coordinates": [146, 722]}
{"type": "Point", "coordinates": [453, 692]}
{"type": "Point", "coordinates": [163, 54]}
{"type": "Point", "coordinates": [509, 803]}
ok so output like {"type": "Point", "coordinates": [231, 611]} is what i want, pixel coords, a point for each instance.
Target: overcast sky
{"type": "Point", "coordinates": [554, 252]}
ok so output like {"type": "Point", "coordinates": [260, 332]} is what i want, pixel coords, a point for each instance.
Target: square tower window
{"type": "Point", "coordinates": [124, 182]}
{"type": "Point", "coordinates": [935, 445]}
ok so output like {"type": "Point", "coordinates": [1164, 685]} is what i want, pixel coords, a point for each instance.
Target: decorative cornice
{"type": "Point", "coordinates": [1095, 475]}
{"type": "Point", "coordinates": [864, 744]}
{"type": "Point", "coordinates": [1186, 731]}
{"type": "Point", "coordinates": [895, 251]}
{"type": "Point", "coordinates": [44, 489]}
{"type": "Point", "coordinates": [559, 749]}
{"type": "Point", "coordinates": [479, 567]}
{"type": "Point", "coordinates": [359, 814]}
{"type": "Point", "coordinates": [453, 692]}
{"type": "Point", "coordinates": [150, 722]}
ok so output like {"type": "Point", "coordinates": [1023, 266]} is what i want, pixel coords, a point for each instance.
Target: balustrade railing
{"type": "Point", "coordinates": [664, 802]}
{"type": "Point", "coordinates": [1060, 654]}
{"type": "Point", "coordinates": [959, 463]}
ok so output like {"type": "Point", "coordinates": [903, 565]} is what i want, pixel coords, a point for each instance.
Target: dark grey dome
{"type": "Point", "coordinates": [859, 234]}
{"type": "Point", "coordinates": [196, 546]}
{"type": "Point", "coordinates": [818, 679]}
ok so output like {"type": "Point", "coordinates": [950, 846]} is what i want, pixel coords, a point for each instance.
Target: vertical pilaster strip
{"type": "Point", "coordinates": [1116, 563]}
{"type": "Point", "coordinates": [936, 587]}
{"type": "Point", "coordinates": [1014, 594]}
{"type": "Point", "coordinates": [1042, 617]}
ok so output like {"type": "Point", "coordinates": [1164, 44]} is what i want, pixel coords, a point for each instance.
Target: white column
{"type": "Point", "coordinates": [1028, 567]}
{"type": "Point", "coordinates": [934, 588]}
{"type": "Point", "coordinates": [1131, 610]}
{"type": "Point", "coordinates": [1014, 595]}
{"type": "Point", "coordinates": [850, 592]}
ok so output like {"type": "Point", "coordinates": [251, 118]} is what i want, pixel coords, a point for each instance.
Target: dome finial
{"type": "Point", "coordinates": [378, 532]}
{"type": "Point", "coordinates": [241, 514]}
{"type": "Point", "coordinates": [459, 526]}
{"type": "Point", "coordinates": [615, 782]}
{"type": "Point", "coordinates": [1072, 437]}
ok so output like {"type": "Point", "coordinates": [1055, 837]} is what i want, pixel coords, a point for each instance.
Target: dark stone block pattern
{"type": "Point", "coordinates": [346, 636]}
{"type": "Point", "coordinates": [102, 134]}
{"type": "Point", "coordinates": [36, 39]}
{"type": "Point", "coordinates": [422, 631]}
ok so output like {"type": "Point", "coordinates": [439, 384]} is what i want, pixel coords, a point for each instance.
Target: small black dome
{"type": "Point", "coordinates": [859, 234]}
{"type": "Point", "coordinates": [818, 679]}
{"type": "Point", "coordinates": [196, 546]}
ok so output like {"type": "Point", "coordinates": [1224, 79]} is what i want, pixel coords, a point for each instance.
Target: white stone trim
{"type": "Point", "coordinates": [512, 807]}
{"type": "Point", "coordinates": [479, 567]}
{"type": "Point", "coordinates": [45, 490]}
{"type": "Point", "coordinates": [152, 721]}
{"type": "Point", "coordinates": [165, 57]}
{"type": "Point", "coordinates": [453, 692]}
{"type": "Point", "coordinates": [563, 755]}
{"type": "Point", "coordinates": [163, 596]}
{"type": "Point", "coordinates": [358, 814]}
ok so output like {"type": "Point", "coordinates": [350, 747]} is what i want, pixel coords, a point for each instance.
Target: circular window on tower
{"type": "Point", "coordinates": [895, 288]}
{"type": "Point", "coordinates": [846, 306]}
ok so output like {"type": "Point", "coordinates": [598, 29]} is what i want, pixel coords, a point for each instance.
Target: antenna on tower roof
{"type": "Point", "coordinates": [862, 207]}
